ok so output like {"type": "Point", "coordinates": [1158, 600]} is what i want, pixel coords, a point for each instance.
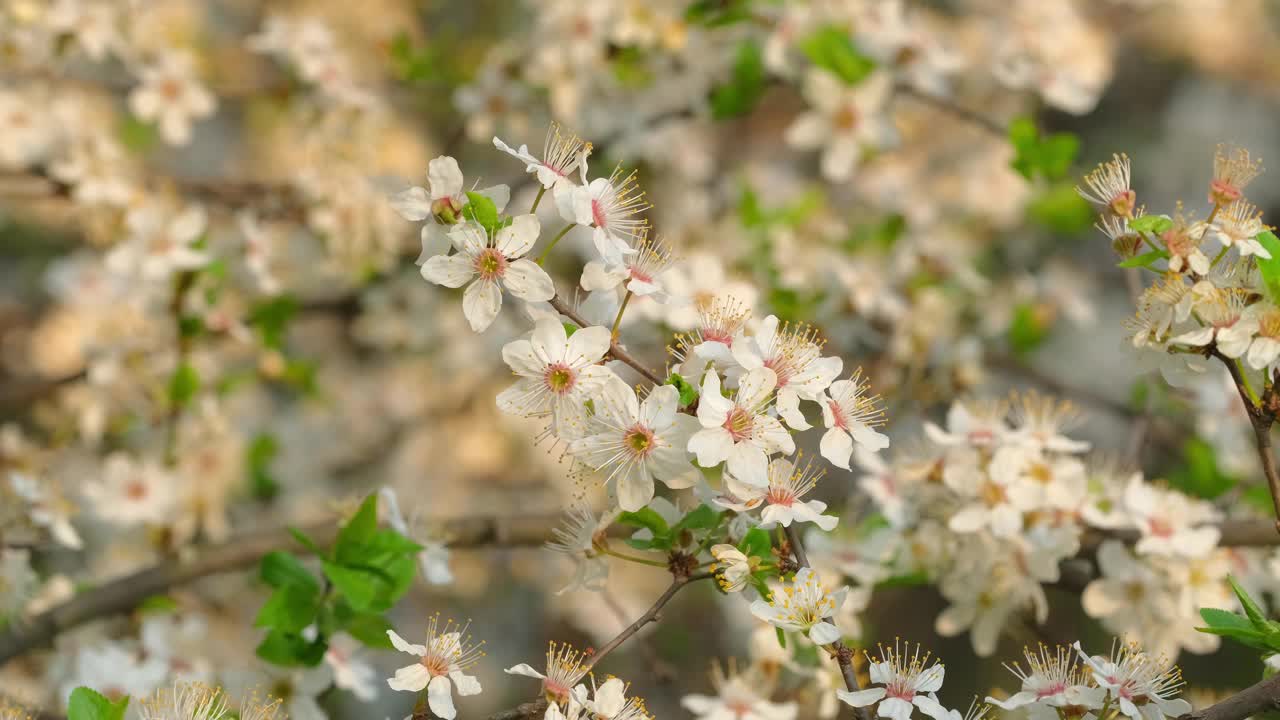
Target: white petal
{"type": "Point", "coordinates": [824, 633]}
{"type": "Point", "coordinates": [466, 684]}
{"type": "Point", "coordinates": [402, 645]}
{"type": "Point", "coordinates": [448, 270]}
{"type": "Point", "coordinates": [836, 446]}
{"type": "Point", "coordinates": [528, 282]}
{"type": "Point", "coordinates": [587, 346]}
{"type": "Point", "coordinates": [755, 386]}
{"type": "Point", "coordinates": [412, 204]}
{"type": "Point", "coordinates": [525, 670]}
{"type": "Point", "coordinates": [711, 446]}
{"type": "Point", "coordinates": [481, 302]}
{"type": "Point", "coordinates": [440, 697]}
{"type": "Point", "coordinates": [518, 238]}
{"type": "Point", "coordinates": [748, 463]}
{"type": "Point", "coordinates": [861, 698]}
{"type": "Point", "coordinates": [444, 176]}
{"type": "Point", "coordinates": [411, 678]}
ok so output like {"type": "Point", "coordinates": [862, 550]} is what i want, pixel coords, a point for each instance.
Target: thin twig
{"type": "Point", "coordinates": [973, 117]}
{"type": "Point", "coordinates": [1261, 417]}
{"type": "Point", "coordinates": [651, 615]}
{"type": "Point", "coordinates": [1250, 702]}
{"type": "Point", "coordinates": [614, 348]}
{"type": "Point", "coordinates": [843, 653]}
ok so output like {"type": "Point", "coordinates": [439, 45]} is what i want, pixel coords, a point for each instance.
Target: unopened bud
{"type": "Point", "coordinates": [447, 210]}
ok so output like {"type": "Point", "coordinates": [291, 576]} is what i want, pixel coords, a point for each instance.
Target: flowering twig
{"type": "Point", "coordinates": [1261, 417]}
{"type": "Point", "coordinates": [126, 593]}
{"type": "Point", "coordinates": [973, 117]}
{"type": "Point", "coordinates": [653, 614]}
{"type": "Point", "coordinates": [615, 350]}
{"type": "Point", "coordinates": [843, 653]}
{"type": "Point", "coordinates": [1250, 702]}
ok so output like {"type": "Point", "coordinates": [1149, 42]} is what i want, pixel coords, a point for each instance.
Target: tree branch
{"type": "Point", "coordinates": [1261, 417]}
{"type": "Point", "coordinates": [653, 614]}
{"type": "Point", "coordinates": [614, 348]}
{"type": "Point", "coordinates": [843, 653]}
{"type": "Point", "coordinates": [124, 594]}
{"type": "Point", "coordinates": [1251, 701]}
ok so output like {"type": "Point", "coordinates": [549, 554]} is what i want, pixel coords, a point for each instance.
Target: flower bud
{"type": "Point", "coordinates": [447, 210]}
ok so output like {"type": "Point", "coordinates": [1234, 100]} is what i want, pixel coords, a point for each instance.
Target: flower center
{"type": "Point", "coordinates": [436, 665]}
{"type": "Point", "coordinates": [837, 415]}
{"type": "Point", "coordinates": [136, 490]}
{"type": "Point", "coordinates": [1122, 204]}
{"type": "Point", "coordinates": [781, 496]}
{"type": "Point", "coordinates": [1041, 473]}
{"type": "Point", "coordinates": [598, 215]}
{"type": "Point", "coordinates": [739, 424]}
{"type": "Point", "coordinates": [846, 119]}
{"type": "Point", "coordinates": [639, 440]}
{"type": "Point", "coordinates": [1223, 192]}
{"type": "Point", "coordinates": [992, 494]}
{"type": "Point", "coordinates": [491, 264]}
{"type": "Point", "coordinates": [560, 378]}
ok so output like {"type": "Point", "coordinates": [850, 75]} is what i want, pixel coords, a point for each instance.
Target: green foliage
{"type": "Point", "coordinates": [630, 68]}
{"type": "Point", "coordinates": [1199, 473]}
{"type": "Point", "coordinates": [1253, 629]}
{"type": "Point", "coordinates": [1144, 260]}
{"type": "Point", "coordinates": [1049, 157]}
{"type": "Point", "coordinates": [183, 385]}
{"type": "Point", "coordinates": [261, 451]}
{"type": "Point", "coordinates": [1270, 268]}
{"type": "Point", "coordinates": [1258, 497]}
{"type": "Point", "coordinates": [682, 534]}
{"type": "Point", "coordinates": [745, 86]}
{"type": "Point", "coordinates": [831, 48]}
{"type": "Point", "coordinates": [481, 210]}
{"type": "Point", "coordinates": [714, 13]}
{"type": "Point", "coordinates": [1151, 224]}
{"type": "Point", "coordinates": [882, 234]}
{"type": "Point", "coordinates": [365, 573]}
{"type": "Point", "coordinates": [412, 64]}
{"type": "Point", "coordinates": [1061, 209]}
{"type": "Point", "coordinates": [271, 318]}
{"type": "Point", "coordinates": [1028, 330]}
{"type": "Point", "coordinates": [688, 391]}
{"type": "Point", "coordinates": [87, 704]}
{"type": "Point", "coordinates": [756, 543]}
{"type": "Point", "coordinates": [136, 134]}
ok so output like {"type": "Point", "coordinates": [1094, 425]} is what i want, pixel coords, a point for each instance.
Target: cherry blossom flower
{"type": "Point", "coordinates": [161, 241]}
{"type": "Point", "coordinates": [1171, 523]}
{"type": "Point", "coordinates": [494, 264]}
{"type": "Point", "coordinates": [447, 653]}
{"type": "Point", "coordinates": [639, 272]}
{"type": "Point", "coordinates": [709, 345]}
{"type": "Point", "coordinates": [565, 667]}
{"type": "Point", "coordinates": [132, 492]}
{"type": "Point", "coordinates": [1053, 678]}
{"type": "Point", "coordinates": [191, 700]}
{"type": "Point", "coordinates": [1129, 596]}
{"type": "Point", "coordinates": [1145, 686]}
{"type": "Point", "coordinates": [850, 414]}
{"type": "Point", "coordinates": [844, 120]}
{"type": "Point", "coordinates": [732, 567]}
{"type": "Point", "coordinates": [612, 207]}
{"type": "Point", "coordinates": [909, 681]}
{"type": "Point", "coordinates": [635, 442]}
{"type": "Point", "coordinates": [738, 431]}
{"type": "Point", "coordinates": [608, 701]}
{"type": "Point", "coordinates": [578, 538]}
{"type": "Point", "coordinates": [781, 498]}
{"type": "Point", "coordinates": [794, 354]}
{"type": "Point", "coordinates": [44, 508]}
{"type": "Point", "coordinates": [562, 155]}
{"type": "Point", "coordinates": [1233, 169]}
{"type": "Point", "coordinates": [349, 671]}
{"type": "Point", "coordinates": [803, 605]}
{"type": "Point", "coordinates": [1238, 225]}
{"type": "Point", "coordinates": [440, 204]}
{"type": "Point", "coordinates": [739, 696]}
{"type": "Point", "coordinates": [433, 559]}
{"type": "Point", "coordinates": [558, 373]}
{"type": "Point", "coordinates": [1109, 187]}
{"type": "Point", "coordinates": [171, 96]}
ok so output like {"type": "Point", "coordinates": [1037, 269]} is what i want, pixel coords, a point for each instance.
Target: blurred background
{"type": "Point", "coordinates": [323, 367]}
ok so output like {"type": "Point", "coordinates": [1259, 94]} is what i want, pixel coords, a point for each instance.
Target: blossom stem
{"type": "Point", "coordinates": [1221, 253]}
{"type": "Point", "coordinates": [181, 285]}
{"type": "Point", "coordinates": [1261, 417]}
{"type": "Point", "coordinates": [843, 653]}
{"type": "Point", "coordinates": [543, 257]}
{"type": "Point", "coordinates": [633, 558]}
{"type": "Point", "coordinates": [534, 208]}
{"type": "Point", "coordinates": [617, 321]}
{"type": "Point", "coordinates": [1244, 381]}
{"type": "Point", "coordinates": [650, 615]}
{"type": "Point", "coordinates": [615, 350]}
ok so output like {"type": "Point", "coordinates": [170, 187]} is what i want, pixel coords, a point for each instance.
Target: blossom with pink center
{"type": "Point", "coordinates": [636, 441]}
{"type": "Point", "coordinates": [782, 497]}
{"type": "Point", "coordinates": [738, 430]}
{"type": "Point", "coordinates": [447, 653]}
{"type": "Point", "coordinates": [909, 681]}
{"type": "Point", "coordinates": [441, 203]}
{"type": "Point", "coordinates": [558, 373]}
{"type": "Point", "coordinates": [794, 354]}
{"type": "Point", "coordinates": [611, 206]}
{"type": "Point", "coordinates": [710, 342]}
{"type": "Point", "coordinates": [739, 696]}
{"type": "Point", "coordinates": [1144, 686]}
{"type": "Point", "coordinates": [563, 154]}
{"type": "Point", "coordinates": [565, 667]}
{"type": "Point", "coordinates": [803, 605]}
{"type": "Point", "coordinates": [1054, 679]}
{"type": "Point", "coordinates": [1109, 187]}
{"type": "Point", "coordinates": [172, 96]}
{"type": "Point", "coordinates": [639, 272]}
{"type": "Point", "coordinates": [1232, 171]}
{"type": "Point", "coordinates": [851, 415]}
{"type": "Point", "coordinates": [489, 265]}
{"type": "Point", "coordinates": [1171, 523]}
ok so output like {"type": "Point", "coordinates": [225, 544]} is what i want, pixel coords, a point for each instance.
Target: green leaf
{"type": "Point", "coordinates": [1199, 473]}
{"type": "Point", "coordinates": [646, 518]}
{"type": "Point", "coordinates": [1061, 209]}
{"type": "Point", "coordinates": [688, 391]}
{"type": "Point", "coordinates": [1144, 260]}
{"type": "Point", "coordinates": [136, 135]}
{"type": "Point", "coordinates": [482, 210]}
{"type": "Point", "coordinates": [369, 629]}
{"type": "Point", "coordinates": [290, 608]}
{"type": "Point", "coordinates": [1258, 497]}
{"type": "Point", "coordinates": [631, 68]}
{"type": "Point", "coordinates": [782, 637]}
{"type": "Point", "coordinates": [1251, 609]}
{"type": "Point", "coordinates": [280, 569]}
{"type": "Point", "coordinates": [1057, 152]}
{"type": "Point", "coordinates": [745, 86]}
{"type": "Point", "coordinates": [831, 48]}
{"type": "Point", "coordinates": [703, 517]}
{"type": "Point", "coordinates": [1028, 329]}
{"type": "Point", "coordinates": [372, 588]}
{"type": "Point", "coordinates": [305, 541]}
{"type": "Point", "coordinates": [184, 385]}
{"type": "Point", "coordinates": [756, 543]}
{"type": "Point", "coordinates": [87, 704]}
{"type": "Point", "coordinates": [1250, 637]}
{"type": "Point", "coordinates": [1270, 269]}
{"type": "Point", "coordinates": [359, 529]}
{"type": "Point", "coordinates": [1216, 618]}
{"type": "Point", "coordinates": [715, 13]}
{"type": "Point", "coordinates": [261, 451]}
{"type": "Point", "coordinates": [1150, 224]}
{"type": "Point", "coordinates": [570, 329]}
{"type": "Point", "coordinates": [158, 604]}
{"type": "Point", "coordinates": [271, 318]}
{"type": "Point", "coordinates": [289, 649]}
{"type": "Point", "coordinates": [1050, 157]}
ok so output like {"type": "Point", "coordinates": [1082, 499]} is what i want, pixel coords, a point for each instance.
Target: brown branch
{"type": "Point", "coordinates": [973, 117]}
{"type": "Point", "coordinates": [614, 348]}
{"type": "Point", "coordinates": [124, 594]}
{"type": "Point", "coordinates": [1251, 701]}
{"type": "Point", "coordinates": [843, 653]}
{"type": "Point", "coordinates": [524, 711]}
{"type": "Point", "coordinates": [653, 614]}
{"type": "Point", "coordinates": [1261, 417]}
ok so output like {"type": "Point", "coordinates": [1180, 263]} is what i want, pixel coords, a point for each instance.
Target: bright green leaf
{"type": "Point", "coordinates": [646, 518]}
{"type": "Point", "coordinates": [279, 569]}
{"type": "Point", "coordinates": [1270, 268]}
{"type": "Point", "coordinates": [756, 543]}
{"type": "Point", "coordinates": [271, 318]}
{"type": "Point", "coordinates": [688, 392]}
{"type": "Point", "coordinates": [288, 649]}
{"type": "Point", "coordinates": [183, 385]}
{"type": "Point", "coordinates": [703, 517]}
{"type": "Point", "coordinates": [745, 86]}
{"type": "Point", "coordinates": [1251, 608]}
{"type": "Point", "coordinates": [1028, 329]}
{"type": "Point", "coordinates": [369, 629]}
{"type": "Point", "coordinates": [1150, 224]}
{"type": "Point", "coordinates": [88, 704]}
{"type": "Point", "coordinates": [482, 210]}
{"type": "Point", "coordinates": [833, 49]}
{"type": "Point", "coordinates": [1144, 260]}
{"type": "Point", "coordinates": [290, 608]}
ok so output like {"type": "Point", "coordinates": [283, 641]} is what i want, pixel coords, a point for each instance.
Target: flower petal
{"type": "Point", "coordinates": [481, 302]}
{"type": "Point", "coordinates": [528, 282]}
